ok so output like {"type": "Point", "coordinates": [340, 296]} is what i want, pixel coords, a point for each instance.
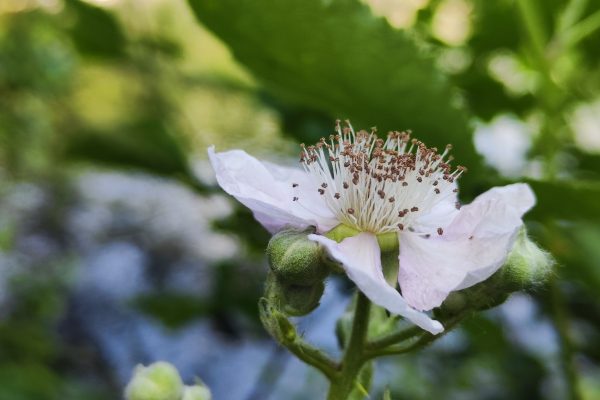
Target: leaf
{"type": "Point", "coordinates": [145, 145]}
{"type": "Point", "coordinates": [95, 31]}
{"type": "Point", "coordinates": [572, 200]}
{"type": "Point", "coordinates": [336, 57]}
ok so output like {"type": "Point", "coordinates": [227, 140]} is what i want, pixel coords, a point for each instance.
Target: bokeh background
{"type": "Point", "coordinates": [117, 248]}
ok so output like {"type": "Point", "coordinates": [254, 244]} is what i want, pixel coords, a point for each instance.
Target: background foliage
{"type": "Point", "coordinates": [107, 107]}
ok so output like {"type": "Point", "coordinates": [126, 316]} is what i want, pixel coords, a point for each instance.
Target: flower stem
{"type": "Point", "coordinates": [394, 337]}
{"type": "Point", "coordinates": [353, 359]}
{"type": "Point", "coordinates": [561, 324]}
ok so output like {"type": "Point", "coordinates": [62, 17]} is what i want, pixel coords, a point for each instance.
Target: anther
{"type": "Point", "coordinates": [351, 211]}
{"type": "Point", "coordinates": [337, 195]}
{"type": "Point", "coordinates": [440, 231]}
{"type": "Point", "coordinates": [323, 185]}
{"type": "Point", "coordinates": [294, 185]}
{"type": "Point", "coordinates": [321, 191]}
{"type": "Point", "coordinates": [401, 227]}
{"type": "Point", "coordinates": [295, 199]}
{"type": "Point", "coordinates": [414, 209]}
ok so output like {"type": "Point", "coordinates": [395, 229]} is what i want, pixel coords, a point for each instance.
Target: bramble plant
{"type": "Point", "coordinates": [385, 212]}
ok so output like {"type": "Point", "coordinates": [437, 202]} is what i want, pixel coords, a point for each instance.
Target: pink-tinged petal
{"type": "Point", "coordinates": [361, 259]}
{"type": "Point", "coordinates": [267, 190]}
{"type": "Point", "coordinates": [440, 215]}
{"type": "Point", "coordinates": [472, 247]}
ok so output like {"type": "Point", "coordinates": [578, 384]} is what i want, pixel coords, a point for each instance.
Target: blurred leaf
{"type": "Point", "coordinates": [95, 31]}
{"type": "Point", "coordinates": [146, 145]}
{"type": "Point", "coordinates": [172, 309]}
{"type": "Point", "coordinates": [337, 57]}
{"type": "Point", "coordinates": [573, 200]}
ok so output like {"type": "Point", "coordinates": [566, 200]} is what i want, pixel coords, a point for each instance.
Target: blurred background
{"type": "Point", "coordinates": [117, 248]}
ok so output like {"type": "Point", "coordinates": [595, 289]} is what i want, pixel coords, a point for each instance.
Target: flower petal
{"type": "Point", "coordinates": [361, 259]}
{"type": "Point", "coordinates": [471, 249]}
{"type": "Point", "coordinates": [267, 190]}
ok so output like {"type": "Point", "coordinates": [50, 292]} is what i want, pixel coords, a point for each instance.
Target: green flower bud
{"type": "Point", "coordinates": [158, 381]}
{"type": "Point", "coordinates": [526, 267]}
{"type": "Point", "coordinates": [293, 300]}
{"type": "Point", "coordinates": [295, 259]}
{"type": "Point", "coordinates": [196, 392]}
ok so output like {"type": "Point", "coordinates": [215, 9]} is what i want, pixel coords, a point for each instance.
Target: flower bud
{"type": "Point", "coordinates": [196, 392]}
{"type": "Point", "coordinates": [293, 300]}
{"type": "Point", "coordinates": [295, 259]}
{"type": "Point", "coordinates": [158, 381]}
{"type": "Point", "coordinates": [526, 267]}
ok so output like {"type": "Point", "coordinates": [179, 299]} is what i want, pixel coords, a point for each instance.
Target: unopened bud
{"type": "Point", "coordinates": [526, 267]}
{"type": "Point", "coordinates": [294, 300]}
{"type": "Point", "coordinates": [295, 259]}
{"type": "Point", "coordinates": [196, 392]}
{"type": "Point", "coordinates": [158, 381]}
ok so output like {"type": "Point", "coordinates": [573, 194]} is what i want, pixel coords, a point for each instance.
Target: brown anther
{"type": "Point", "coordinates": [294, 185]}
{"type": "Point", "coordinates": [404, 183]}
{"type": "Point", "coordinates": [457, 205]}
{"type": "Point", "coordinates": [414, 209]}
{"type": "Point", "coordinates": [401, 227]}
{"type": "Point", "coordinates": [391, 199]}
{"type": "Point", "coordinates": [321, 191]}
{"type": "Point", "coordinates": [295, 199]}
{"type": "Point", "coordinates": [440, 231]}
{"type": "Point", "coordinates": [345, 185]}
{"type": "Point", "coordinates": [435, 183]}
{"type": "Point", "coordinates": [471, 237]}
{"type": "Point", "coordinates": [401, 214]}
{"type": "Point", "coordinates": [337, 195]}
{"type": "Point", "coordinates": [350, 211]}
{"type": "Point", "coordinates": [455, 190]}
{"type": "Point", "coordinates": [419, 179]}
{"type": "Point", "coordinates": [324, 185]}
{"type": "Point", "coordinates": [437, 191]}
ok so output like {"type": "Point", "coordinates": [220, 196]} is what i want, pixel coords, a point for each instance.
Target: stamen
{"type": "Point", "coordinates": [371, 169]}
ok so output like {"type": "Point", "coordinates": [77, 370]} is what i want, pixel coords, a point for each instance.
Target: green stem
{"type": "Point", "coordinates": [573, 11]}
{"type": "Point", "coordinates": [353, 357]}
{"type": "Point", "coordinates": [581, 30]}
{"type": "Point", "coordinates": [425, 339]}
{"type": "Point", "coordinates": [561, 324]}
{"type": "Point", "coordinates": [393, 338]}
{"type": "Point", "coordinates": [534, 27]}
{"type": "Point", "coordinates": [313, 356]}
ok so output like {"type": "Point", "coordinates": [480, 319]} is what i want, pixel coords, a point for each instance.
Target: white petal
{"type": "Point", "coordinates": [472, 247]}
{"type": "Point", "coordinates": [361, 258]}
{"type": "Point", "coordinates": [267, 190]}
{"type": "Point", "coordinates": [439, 216]}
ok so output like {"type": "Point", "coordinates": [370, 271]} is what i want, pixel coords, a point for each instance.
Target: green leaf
{"type": "Point", "coordinates": [145, 145]}
{"type": "Point", "coordinates": [572, 200]}
{"type": "Point", "coordinates": [95, 31]}
{"type": "Point", "coordinates": [336, 57]}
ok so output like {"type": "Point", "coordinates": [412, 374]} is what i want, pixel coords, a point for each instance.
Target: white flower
{"type": "Point", "coordinates": [397, 186]}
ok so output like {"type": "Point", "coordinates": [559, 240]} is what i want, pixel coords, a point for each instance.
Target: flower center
{"type": "Point", "coordinates": [377, 185]}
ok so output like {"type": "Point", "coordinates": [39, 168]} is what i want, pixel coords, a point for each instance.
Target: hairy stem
{"type": "Point", "coordinates": [353, 359]}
